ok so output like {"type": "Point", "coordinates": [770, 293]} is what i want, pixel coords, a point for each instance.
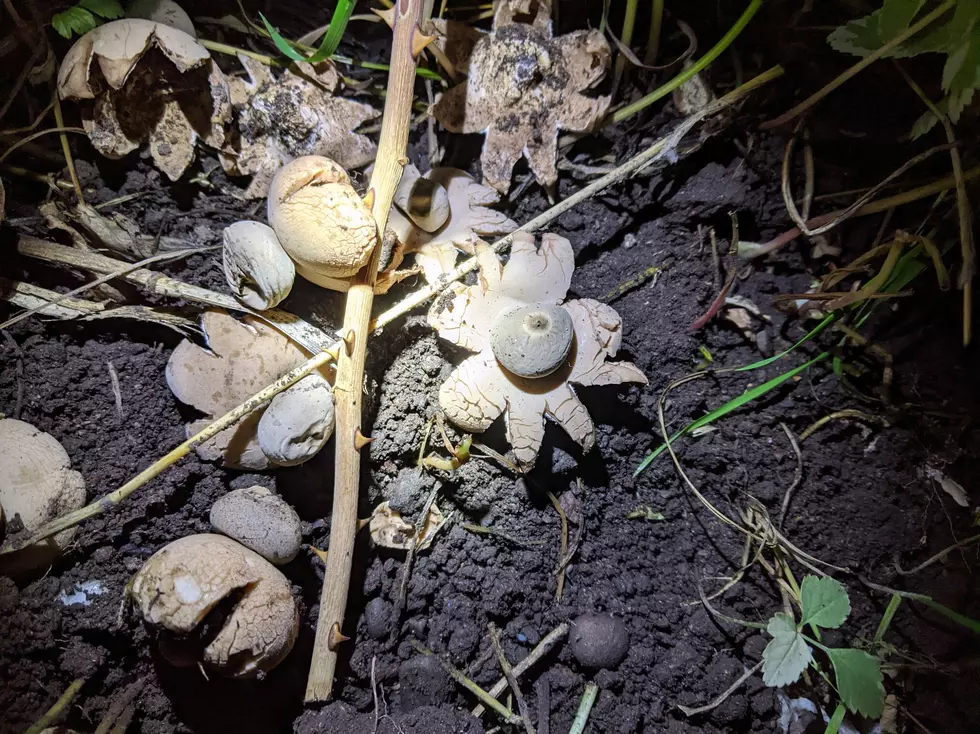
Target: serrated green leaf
{"type": "Point", "coordinates": [924, 124]}
{"type": "Point", "coordinates": [858, 681]}
{"type": "Point", "coordinates": [865, 35]}
{"type": "Point", "coordinates": [281, 43]}
{"type": "Point", "coordinates": [74, 20]}
{"type": "Point", "coordinates": [108, 9]}
{"type": "Point", "coordinates": [824, 602]}
{"type": "Point", "coordinates": [787, 654]}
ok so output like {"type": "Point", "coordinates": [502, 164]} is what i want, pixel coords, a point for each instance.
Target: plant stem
{"type": "Point", "coordinates": [55, 712]}
{"type": "Point", "coordinates": [629, 23]}
{"type": "Point", "coordinates": [584, 709]}
{"type": "Point", "coordinates": [664, 89]}
{"type": "Point", "coordinates": [349, 389]}
{"type": "Point", "coordinates": [859, 67]}
{"type": "Point", "coordinates": [59, 122]}
{"type": "Point", "coordinates": [653, 40]}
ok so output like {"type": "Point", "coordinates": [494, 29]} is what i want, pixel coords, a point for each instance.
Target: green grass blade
{"type": "Point", "coordinates": [833, 726]}
{"type": "Point", "coordinates": [338, 26]}
{"type": "Point", "coordinates": [962, 619]}
{"type": "Point", "coordinates": [281, 43]}
{"type": "Point", "coordinates": [827, 321]}
{"type": "Point", "coordinates": [887, 617]}
{"type": "Point", "coordinates": [734, 404]}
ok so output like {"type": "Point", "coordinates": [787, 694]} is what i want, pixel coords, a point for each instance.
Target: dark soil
{"type": "Point", "coordinates": [863, 503]}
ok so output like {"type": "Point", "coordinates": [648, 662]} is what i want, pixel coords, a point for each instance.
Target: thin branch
{"type": "Point", "coordinates": [54, 713]}
{"type": "Point", "coordinates": [724, 696]}
{"type": "Point", "coordinates": [797, 475]}
{"type": "Point", "coordinates": [511, 678]}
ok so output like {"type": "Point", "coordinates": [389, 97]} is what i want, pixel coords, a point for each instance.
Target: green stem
{"type": "Point", "coordinates": [653, 40]}
{"type": "Point", "coordinates": [57, 711]}
{"type": "Point", "coordinates": [700, 65]}
{"type": "Point", "coordinates": [584, 709]}
{"type": "Point", "coordinates": [629, 23]}
{"type": "Point", "coordinates": [887, 617]}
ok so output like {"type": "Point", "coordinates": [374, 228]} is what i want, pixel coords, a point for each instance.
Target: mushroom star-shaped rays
{"type": "Point", "coordinates": [480, 389]}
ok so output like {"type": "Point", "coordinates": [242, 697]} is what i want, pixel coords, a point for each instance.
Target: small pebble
{"type": "Point", "coordinates": [260, 520]}
{"type": "Point", "coordinates": [599, 641]}
{"type": "Point", "coordinates": [377, 618]}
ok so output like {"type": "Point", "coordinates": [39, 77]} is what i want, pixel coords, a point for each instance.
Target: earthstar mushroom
{"type": "Point", "coordinates": [257, 269]}
{"type": "Point", "coordinates": [322, 223]}
{"type": "Point", "coordinates": [532, 341]}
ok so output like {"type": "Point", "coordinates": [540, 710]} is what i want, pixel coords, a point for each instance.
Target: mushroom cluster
{"type": "Point", "coordinates": [218, 604]}
{"type": "Point", "coordinates": [139, 81]}
{"type": "Point", "coordinates": [522, 87]}
{"type": "Point", "coordinates": [241, 359]}
{"type": "Point", "coordinates": [531, 347]}
{"type": "Point", "coordinates": [37, 484]}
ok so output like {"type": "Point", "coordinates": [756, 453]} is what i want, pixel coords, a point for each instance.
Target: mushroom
{"type": "Point", "coordinates": [321, 222]}
{"type": "Point", "coordinates": [509, 309]}
{"type": "Point", "coordinates": [532, 341]}
{"type": "Point", "coordinates": [37, 484]}
{"type": "Point", "coordinates": [260, 520]}
{"type": "Point", "coordinates": [258, 270]}
{"type": "Point", "coordinates": [299, 113]}
{"type": "Point", "coordinates": [423, 200]}
{"type": "Point", "coordinates": [129, 96]}
{"type": "Point", "coordinates": [241, 359]}
{"type": "Point", "coordinates": [222, 604]}
{"type": "Point", "coordinates": [163, 11]}
{"type": "Point", "coordinates": [470, 219]}
{"type": "Point", "coordinates": [298, 422]}
{"type": "Point", "coordinates": [524, 86]}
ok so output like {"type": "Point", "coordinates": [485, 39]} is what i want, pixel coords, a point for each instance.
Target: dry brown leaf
{"type": "Point", "coordinates": [389, 530]}
{"type": "Point", "coordinates": [524, 86]}
{"type": "Point", "coordinates": [296, 114]}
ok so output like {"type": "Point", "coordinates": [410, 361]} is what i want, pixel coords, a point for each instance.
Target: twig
{"type": "Point", "coordinates": [116, 392]}
{"type": "Point", "coordinates": [859, 66]}
{"type": "Point", "coordinates": [57, 711]}
{"type": "Point", "coordinates": [797, 474]}
{"type": "Point", "coordinates": [584, 709]}
{"type": "Point", "coordinates": [59, 120]}
{"type": "Point", "coordinates": [724, 696]}
{"type": "Point", "coordinates": [402, 600]}
{"type": "Point", "coordinates": [349, 386]}
{"type": "Point", "coordinates": [511, 679]}
{"type": "Point", "coordinates": [973, 539]}
{"type": "Point", "coordinates": [539, 651]}
{"type": "Point", "coordinates": [18, 371]}
{"type": "Point", "coordinates": [488, 699]}
{"type": "Point", "coordinates": [563, 550]}
{"type": "Point", "coordinates": [543, 690]}
{"type": "Point", "coordinates": [717, 303]}
{"type": "Point", "coordinates": [838, 415]}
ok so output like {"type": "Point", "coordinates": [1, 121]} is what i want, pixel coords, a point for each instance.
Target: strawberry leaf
{"type": "Point", "coordinates": [858, 681]}
{"type": "Point", "coordinates": [74, 20]}
{"type": "Point", "coordinates": [825, 602]}
{"type": "Point", "coordinates": [786, 655]}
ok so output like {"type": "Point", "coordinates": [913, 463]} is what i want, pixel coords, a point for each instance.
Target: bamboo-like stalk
{"type": "Point", "coordinates": [348, 390]}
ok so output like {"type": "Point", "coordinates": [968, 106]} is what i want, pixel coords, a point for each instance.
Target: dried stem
{"type": "Point", "coordinates": [508, 672]}
{"type": "Point", "coordinates": [57, 711]}
{"type": "Point", "coordinates": [348, 389]}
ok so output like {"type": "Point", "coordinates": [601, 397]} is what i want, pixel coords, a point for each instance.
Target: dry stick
{"type": "Point", "coordinates": [584, 709]}
{"type": "Point", "coordinates": [724, 696]}
{"type": "Point", "coordinates": [55, 712]}
{"type": "Point", "coordinates": [511, 678]}
{"type": "Point", "coordinates": [349, 386]}
{"type": "Point", "coordinates": [563, 550]}
{"type": "Point", "coordinates": [797, 474]}
{"type": "Point", "coordinates": [859, 66]}
{"type": "Point", "coordinates": [59, 120]}
{"type": "Point", "coordinates": [938, 557]}
{"type": "Point", "coordinates": [292, 326]}
{"type": "Point", "coordinates": [539, 651]}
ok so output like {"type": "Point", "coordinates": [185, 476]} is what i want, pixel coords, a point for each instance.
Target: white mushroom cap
{"type": "Point", "coordinates": [37, 484]}
{"type": "Point", "coordinates": [163, 11]}
{"type": "Point", "coordinates": [180, 584]}
{"type": "Point", "coordinates": [534, 340]}
{"type": "Point", "coordinates": [424, 201]}
{"type": "Point", "coordinates": [258, 270]}
{"type": "Point", "coordinates": [298, 422]}
{"type": "Point", "coordinates": [322, 224]}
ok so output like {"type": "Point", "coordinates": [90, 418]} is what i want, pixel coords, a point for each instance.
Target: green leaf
{"type": "Point", "coordinates": [338, 25]}
{"type": "Point", "coordinates": [74, 20]}
{"type": "Point", "coordinates": [858, 681]}
{"type": "Point", "coordinates": [824, 601]}
{"type": "Point", "coordinates": [865, 35]}
{"type": "Point", "coordinates": [787, 654]}
{"type": "Point", "coordinates": [281, 43]}
{"type": "Point", "coordinates": [108, 9]}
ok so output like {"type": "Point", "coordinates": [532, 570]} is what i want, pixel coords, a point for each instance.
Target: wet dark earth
{"type": "Point", "coordinates": [644, 544]}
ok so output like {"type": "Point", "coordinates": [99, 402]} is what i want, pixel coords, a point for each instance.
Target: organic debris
{"type": "Point", "coordinates": [298, 114]}
{"type": "Point", "coordinates": [530, 288]}
{"type": "Point", "coordinates": [523, 86]}
{"type": "Point", "coordinates": [181, 584]}
{"type": "Point", "coordinates": [389, 530]}
{"type": "Point", "coordinates": [139, 81]}
{"type": "Point", "coordinates": [470, 220]}
{"type": "Point", "coordinates": [241, 358]}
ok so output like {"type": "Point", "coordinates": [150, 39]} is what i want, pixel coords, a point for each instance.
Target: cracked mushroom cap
{"type": "Point", "coordinates": [257, 269]}
{"type": "Point", "coordinates": [181, 584]}
{"type": "Point", "coordinates": [241, 358]}
{"type": "Point", "coordinates": [166, 12]}
{"type": "Point", "coordinates": [37, 484]}
{"type": "Point", "coordinates": [322, 223]}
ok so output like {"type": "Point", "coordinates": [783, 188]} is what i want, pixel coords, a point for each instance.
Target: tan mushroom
{"type": "Point", "coordinates": [181, 584]}
{"type": "Point", "coordinates": [257, 269]}
{"type": "Point", "coordinates": [241, 359]}
{"type": "Point", "coordinates": [321, 222]}
{"type": "Point", "coordinates": [170, 100]}
{"type": "Point", "coordinates": [515, 297]}
{"type": "Point", "coordinates": [470, 220]}
{"type": "Point", "coordinates": [298, 422]}
{"type": "Point", "coordinates": [295, 114]}
{"type": "Point", "coordinates": [389, 530]}
{"type": "Point", "coordinates": [163, 11]}
{"type": "Point", "coordinates": [37, 484]}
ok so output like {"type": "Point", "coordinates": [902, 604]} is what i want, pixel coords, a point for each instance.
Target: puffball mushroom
{"type": "Point", "coordinates": [424, 200]}
{"type": "Point", "coordinates": [183, 583]}
{"type": "Point", "coordinates": [258, 270]}
{"type": "Point", "coordinates": [509, 313]}
{"type": "Point", "coordinates": [37, 484]}
{"type": "Point", "coordinates": [322, 223]}
{"type": "Point", "coordinates": [298, 422]}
